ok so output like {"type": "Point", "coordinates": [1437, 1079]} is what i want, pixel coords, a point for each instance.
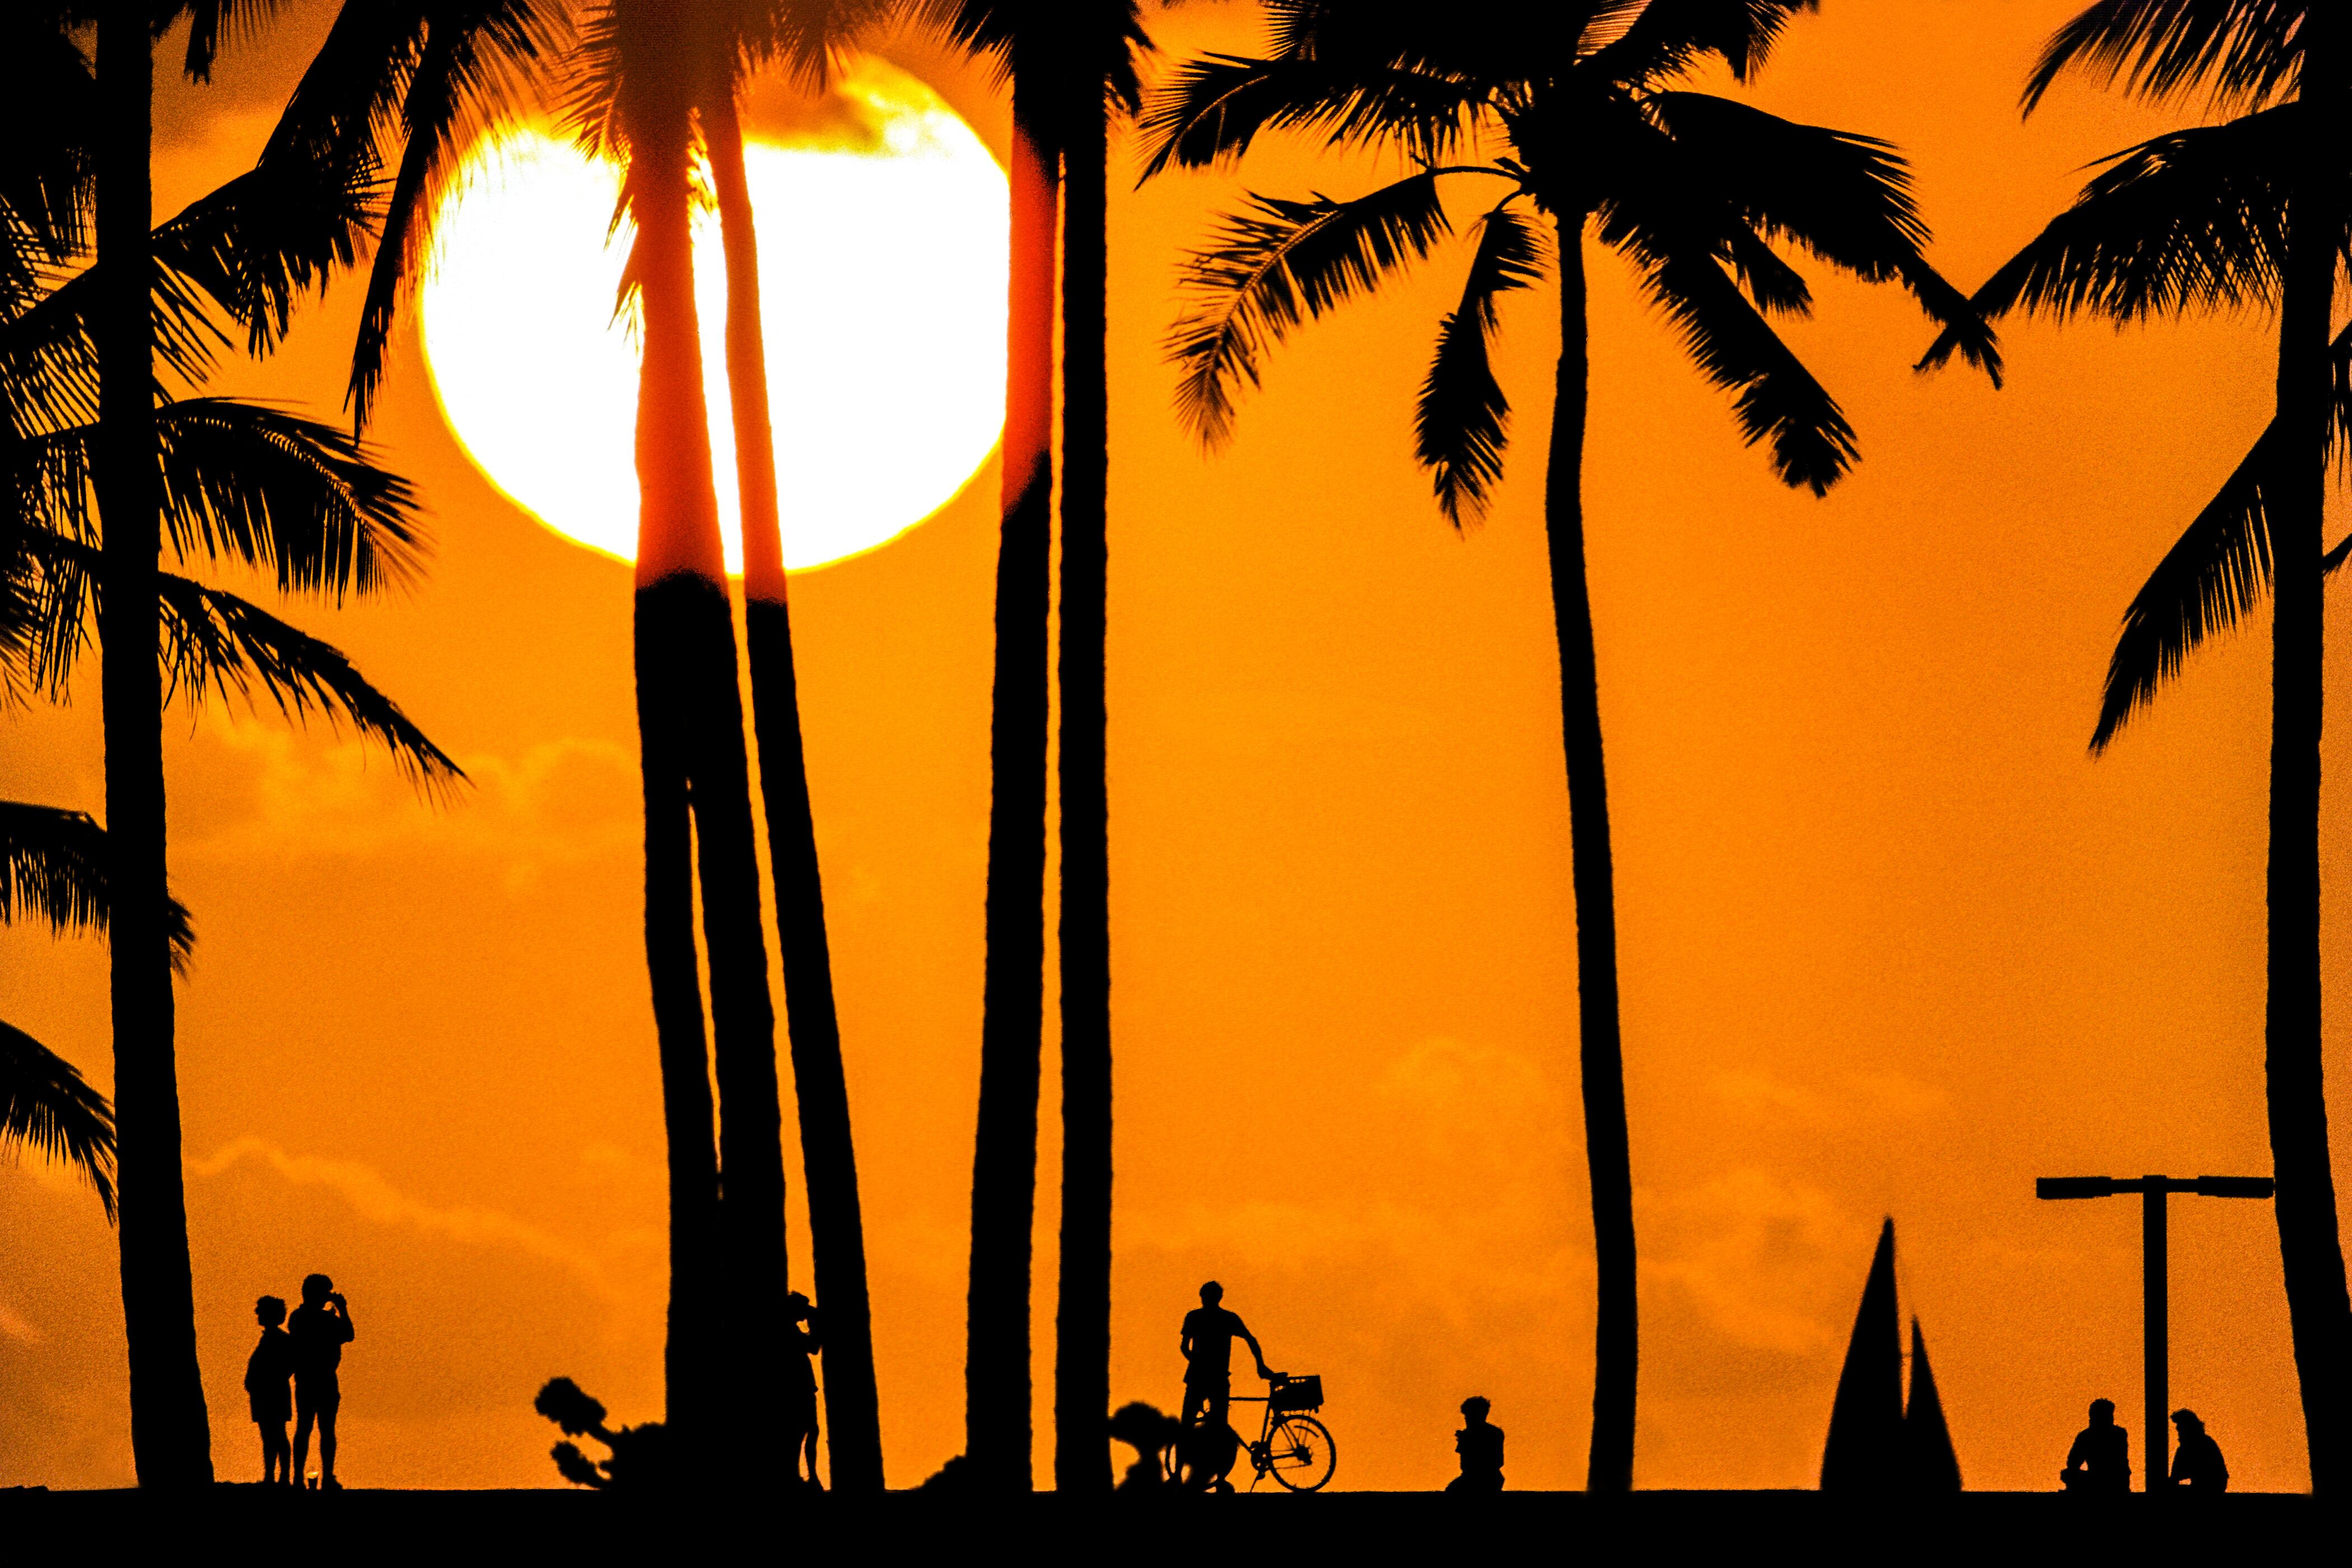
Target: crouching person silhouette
{"type": "Point", "coordinates": [320, 1329]}
{"type": "Point", "coordinates": [267, 1374]}
{"type": "Point", "coordinates": [1480, 1443]}
{"type": "Point", "coordinates": [2100, 1461]}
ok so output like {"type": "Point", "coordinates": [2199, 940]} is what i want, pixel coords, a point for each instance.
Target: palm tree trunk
{"type": "Point", "coordinates": [2309, 1246]}
{"type": "Point", "coordinates": [691, 1358]}
{"type": "Point", "coordinates": [683, 617]}
{"type": "Point", "coordinates": [1004, 1145]}
{"type": "Point", "coordinates": [1616, 1354]}
{"type": "Point", "coordinates": [836, 1222]}
{"type": "Point", "coordinates": [1082, 1329]}
{"type": "Point", "coordinates": [171, 1437]}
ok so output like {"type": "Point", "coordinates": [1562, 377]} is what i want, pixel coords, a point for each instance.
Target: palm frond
{"type": "Point", "coordinates": [1274, 267]}
{"type": "Point", "coordinates": [47, 110]}
{"type": "Point", "coordinates": [431, 80]}
{"type": "Point", "coordinates": [45, 1103]}
{"type": "Point", "coordinates": [272, 235]}
{"type": "Point", "coordinates": [2218, 570]}
{"type": "Point", "coordinates": [1845, 197]}
{"type": "Point", "coordinates": [1212, 108]}
{"type": "Point", "coordinates": [2194, 220]}
{"type": "Point", "coordinates": [1779, 401]}
{"type": "Point", "coordinates": [1461, 424]}
{"type": "Point", "coordinates": [53, 867]}
{"type": "Point", "coordinates": [246, 482]}
{"type": "Point", "coordinates": [215, 639]}
{"type": "Point", "coordinates": [1669, 36]}
{"type": "Point", "coordinates": [2247, 52]}
{"type": "Point", "coordinates": [212, 23]}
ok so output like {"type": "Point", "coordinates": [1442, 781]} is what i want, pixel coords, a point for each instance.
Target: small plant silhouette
{"type": "Point", "coordinates": [640, 1454]}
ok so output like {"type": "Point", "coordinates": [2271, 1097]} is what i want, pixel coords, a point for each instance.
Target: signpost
{"type": "Point", "coordinates": [2155, 1343]}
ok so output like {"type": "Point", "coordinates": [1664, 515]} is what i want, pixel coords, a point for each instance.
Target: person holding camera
{"type": "Point", "coordinates": [320, 1329]}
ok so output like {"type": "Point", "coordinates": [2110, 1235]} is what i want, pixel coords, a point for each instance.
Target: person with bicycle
{"type": "Point", "coordinates": [1207, 1343]}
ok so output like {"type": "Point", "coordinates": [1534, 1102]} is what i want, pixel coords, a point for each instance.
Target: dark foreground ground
{"type": "Point", "coordinates": [433, 1529]}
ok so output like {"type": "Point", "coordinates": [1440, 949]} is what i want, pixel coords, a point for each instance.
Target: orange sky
{"type": "Point", "coordinates": [1891, 943]}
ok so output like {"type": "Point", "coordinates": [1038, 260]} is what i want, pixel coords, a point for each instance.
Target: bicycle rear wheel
{"type": "Point", "coordinates": [1301, 1453]}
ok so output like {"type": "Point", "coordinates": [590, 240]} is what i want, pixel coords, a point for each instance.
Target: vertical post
{"type": "Point", "coordinates": [2156, 1436]}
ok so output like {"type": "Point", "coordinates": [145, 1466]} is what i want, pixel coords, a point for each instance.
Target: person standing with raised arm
{"type": "Point", "coordinates": [321, 1327]}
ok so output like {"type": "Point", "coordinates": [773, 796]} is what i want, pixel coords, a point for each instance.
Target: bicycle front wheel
{"type": "Point", "coordinates": [1301, 1453]}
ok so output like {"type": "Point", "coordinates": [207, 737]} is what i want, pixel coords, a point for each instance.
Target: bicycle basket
{"type": "Point", "coordinates": [1297, 1394]}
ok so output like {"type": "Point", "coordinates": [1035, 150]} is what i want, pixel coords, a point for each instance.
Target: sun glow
{"type": "Point", "coordinates": [882, 273]}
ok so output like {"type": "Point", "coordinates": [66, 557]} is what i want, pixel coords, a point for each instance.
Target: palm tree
{"type": "Point", "coordinates": [2244, 212]}
{"type": "Point", "coordinates": [808, 37]}
{"type": "Point", "coordinates": [1693, 189]}
{"type": "Point", "coordinates": [1072, 68]}
{"type": "Point", "coordinates": [85, 417]}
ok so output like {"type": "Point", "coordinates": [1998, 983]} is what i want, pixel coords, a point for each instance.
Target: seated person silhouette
{"type": "Point", "coordinates": [2100, 1461]}
{"type": "Point", "coordinates": [320, 1329]}
{"type": "Point", "coordinates": [801, 1344]}
{"type": "Point", "coordinates": [1207, 1341]}
{"type": "Point", "coordinates": [267, 1375]}
{"type": "Point", "coordinates": [1480, 1443]}
{"type": "Point", "coordinates": [2197, 1463]}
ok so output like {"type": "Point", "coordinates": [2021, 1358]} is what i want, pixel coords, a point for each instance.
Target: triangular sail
{"type": "Point", "coordinates": [1865, 1442]}
{"type": "Point", "coordinates": [1929, 1463]}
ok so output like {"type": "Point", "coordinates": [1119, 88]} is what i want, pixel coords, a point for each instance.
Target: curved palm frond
{"type": "Point", "coordinates": [215, 639]}
{"type": "Point", "coordinates": [53, 867]}
{"type": "Point", "coordinates": [1461, 424]}
{"type": "Point", "coordinates": [2249, 51]}
{"type": "Point", "coordinates": [431, 79]}
{"type": "Point", "coordinates": [1779, 401]}
{"type": "Point", "coordinates": [212, 23]}
{"type": "Point", "coordinates": [1278, 264]}
{"type": "Point", "coordinates": [246, 482]}
{"type": "Point", "coordinates": [1845, 197]}
{"type": "Point", "coordinates": [1212, 108]}
{"type": "Point", "coordinates": [1669, 36]}
{"type": "Point", "coordinates": [2218, 570]}
{"type": "Point", "coordinates": [2194, 220]}
{"type": "Point", "coordinates": [48, 99]}
{"type": "Point", "coordinates": [271, 235]}
{"type": "Point", "coordinates": [45, 1103]}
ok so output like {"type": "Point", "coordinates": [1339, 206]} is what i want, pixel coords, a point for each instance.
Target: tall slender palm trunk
{"type": "Point", "coordinates": [2309, 1246]}
{"type": "Point", "coordinates": [1082, 1329]}
{"type": "Point", "coordinates": [1005, 1146]}
{"type": "Point", "coordinates": [1616, 1343]}
{"type": "Point", "coordinates": [692, 1368]}
{"type": "Point", "coordinates": [753, 1140]}
{"type": "Point", "coordinates": [687, 632]}
{"type": "Point", "coordinates": [171, 1439]}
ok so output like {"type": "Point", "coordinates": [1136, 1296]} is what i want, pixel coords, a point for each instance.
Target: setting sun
{"type": "Point", "coordinates": [882, 261]}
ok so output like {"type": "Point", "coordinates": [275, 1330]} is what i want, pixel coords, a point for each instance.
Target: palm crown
{"type": "Point", "coordinates": [2194, 220]}
{"type": "Point", "coordinates": [1566, 111]}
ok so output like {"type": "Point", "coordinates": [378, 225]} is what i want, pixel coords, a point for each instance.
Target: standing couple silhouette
{"type": "Point", "coordinates": [307, 1352]}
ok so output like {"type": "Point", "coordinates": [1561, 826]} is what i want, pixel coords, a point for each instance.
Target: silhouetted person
{"type": "Point", "coordinates": [2100, 1461]}
{"type": "Point", "coordinates": [802, 1340]}
{"type": "Point", "coordinates": [2197, 1463]}
{"type": "Point", "coordinates": [1480, 1443]}
{"type": "Point", "coordinates": [320, 1329]}
{"type": "Point", "coordinates": [1207, 1341]}
{"type": "Point", "coordinates": [268, 1372]}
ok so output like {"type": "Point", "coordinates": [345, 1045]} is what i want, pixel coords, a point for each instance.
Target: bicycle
{"type": "Point", "coordinates": [1292, 1445]}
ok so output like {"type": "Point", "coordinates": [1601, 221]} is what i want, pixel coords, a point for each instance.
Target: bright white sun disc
{"type": "Point", "coordinates": [882, 278]}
